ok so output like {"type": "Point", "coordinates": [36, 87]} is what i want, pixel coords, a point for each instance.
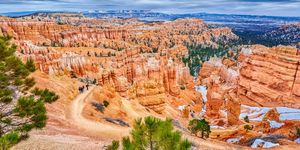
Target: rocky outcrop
{"type": "Point", "coordinates": [233, 107]}
{"type": "Point", "coordinates": [220, 77]}
{"type": "Point", "coordinates": [270, 77]}
{"type": "Point", "coordinates": [150, 94]}
{"type": "Point", "coordinates": [52, 34]}
{"type": "Point", "coordinates": [272, 115]}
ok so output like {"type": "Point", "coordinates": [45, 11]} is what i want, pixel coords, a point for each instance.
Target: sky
{"type": "Point", "coordinates": [252, 7]}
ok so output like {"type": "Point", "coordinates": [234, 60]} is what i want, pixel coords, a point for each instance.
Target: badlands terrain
{"type": "Point", "coordinates": [180, 69]}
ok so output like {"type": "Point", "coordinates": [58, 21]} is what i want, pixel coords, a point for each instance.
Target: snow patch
{"type": "Point", "coordinates": [264, 144]}
{"type": "Point", "coordinates": [258, 113]}
{"type": "Point", "coordinates": [181, 108]}
{"type": "Point", "coordinates": [275, 124]}
{"type": "Point", "coordinates": [246, 51]}
{"type": "Point", "coordinates": [216, 127]}
{"type": "Point", "coordinates": [234, 140]}
{"type": "Point", "coordinates": [203, 91]}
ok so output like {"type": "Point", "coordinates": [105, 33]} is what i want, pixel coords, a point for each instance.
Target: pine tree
{"type": "Point", "coordinates": [30, 65]}
{"type": "Point", "coordinates": [21, 113]}
{"type": "Point", "coordinates": [202, 126]}
{"type": "Point", "coordinates": [114, 145]}
{"type": "Point", "coordinates": [153, 133]}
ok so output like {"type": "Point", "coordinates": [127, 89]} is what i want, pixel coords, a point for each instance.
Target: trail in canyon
{"type": "Point", "coordinates": [92, 127]}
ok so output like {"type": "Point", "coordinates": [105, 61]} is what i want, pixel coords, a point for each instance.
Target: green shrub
{"type": "Point", "coordinates": [45, 95]}
{"type": "Point", "coordinates": [153, 133]}
{"type": "Point", "coordinates": [246, 119]}
{"type": "Point", "coordinates": [247, 127]}
{"type": "Point", "coordinates": [114, 145]}
{"type": "Point", "coordinates": [8, 140]}
{"type": "Point", "coordinates": [105, 103]}
{"type": "Point", "coordinates": [30, 65]}
{"type": "Point", "coordinates": [182, 87]}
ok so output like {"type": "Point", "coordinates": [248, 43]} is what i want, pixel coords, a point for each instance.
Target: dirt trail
{"type": "Point", "coordinates": [92, 127]}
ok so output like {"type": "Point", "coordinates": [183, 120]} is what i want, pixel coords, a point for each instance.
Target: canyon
{"type": "Point", "coordinates": [137, 67]}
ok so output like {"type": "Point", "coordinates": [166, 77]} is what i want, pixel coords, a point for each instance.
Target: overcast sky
{"type": "Point", "coordinates": [255, 7]}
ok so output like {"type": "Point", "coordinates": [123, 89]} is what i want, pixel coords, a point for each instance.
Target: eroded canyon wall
{"type": "Point", "coordinates": [270, 76]}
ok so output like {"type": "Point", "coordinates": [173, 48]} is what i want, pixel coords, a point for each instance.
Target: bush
{"type": "Point", "coordinates": [247, 127]}
{"type": "Point", "coordinates": [105, 103]}
{"type": "Point", "coordinates": [30, 65]}
{"type": "Point", "coordinates": [8, 140]}
{"type": "Point", "coordinates": [182, 87]}
{"type": "Point", "coordinates": [72, 74]}
{"type": "Point", "coordinates": [114, 146]}
{"type": "Point", "coordinates": [246, 119]}
{"type": "Point", "coordinates": [45, 95]}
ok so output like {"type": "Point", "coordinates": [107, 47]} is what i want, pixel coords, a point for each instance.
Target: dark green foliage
{"type": "Point", "coordinates": [127, 144]}
{"type": "Point", "coordinates": [153, 133]}
{"type": "Point", "coordinates": [72, 74]}
{"type": "Point", "coordinates": [29, 112]}
{"type": "Point", "coordinates": [45, 95]}
{"type": "Point", "coordinates": [197, 54]}
{"type": "Point", "coordinates": [182, 87]}
{"type": "Point", "coordinates": [114, 145]}
{"type": "Point", "coordinates": [8, 140]}
{"type": "Point", "coordinates": [247, 127]}
{"type": "Point", "coordinates": [30, 65]}
{"type": "Point", "coordinates": [30, 108]}
{"type": "Point", "coordinates": [246, 119]}
{"type": "Point", "coordinates": [105, 103]}
{"type": "Point", "coordinates": [202, 126]}
{"type": "Point", "coordinates": [155, 50]}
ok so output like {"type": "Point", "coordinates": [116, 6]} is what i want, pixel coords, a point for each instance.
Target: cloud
{"type": "Point", "coordinates": [256, 7]}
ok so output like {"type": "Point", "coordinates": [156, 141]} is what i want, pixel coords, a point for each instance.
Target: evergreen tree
{"type": "Point", "coordinates": [20, 109]}
{"type": "Point", "coordinates": [114, 145]}
{"type": "Point", "coordinates": [202, 126]}
{"type": "Point", "coordinates": [153, 133]}
{"type": "Point", "coordinates": [30, 65]}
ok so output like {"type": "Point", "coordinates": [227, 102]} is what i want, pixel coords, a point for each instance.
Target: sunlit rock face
{"type": "Point", "coordinates": [262, 77]}
{"type": "Point", "coordinates": [221, 81]}
{"type": "Point", "coordinates": [270, 77]}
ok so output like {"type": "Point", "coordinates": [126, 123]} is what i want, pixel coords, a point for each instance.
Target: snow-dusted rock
{"type": "Point", "coordinates": [275, 124]}
{"type": "Point", "coordinates": [264, 144]}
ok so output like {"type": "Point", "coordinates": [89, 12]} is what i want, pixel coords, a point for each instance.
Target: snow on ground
{"type": "Point", "coordinates": [258, 113]}
{"type": "Point", "coordinates": [297, 140]}
{"type": "Point", "coordinates": [264, 144]}
{"type": "Point", "coordinates": [275, 124]}
{"type": "Point", "coordinates": [181, 108]}
{"type": "Point", "coordinates": [216, 127]}
{"type": "Point", "coordinates": [203, 91]}
{"type": "Point", "coordinates": [234, 140]}
{"type": "Point", "coordinates": [254, 113]}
